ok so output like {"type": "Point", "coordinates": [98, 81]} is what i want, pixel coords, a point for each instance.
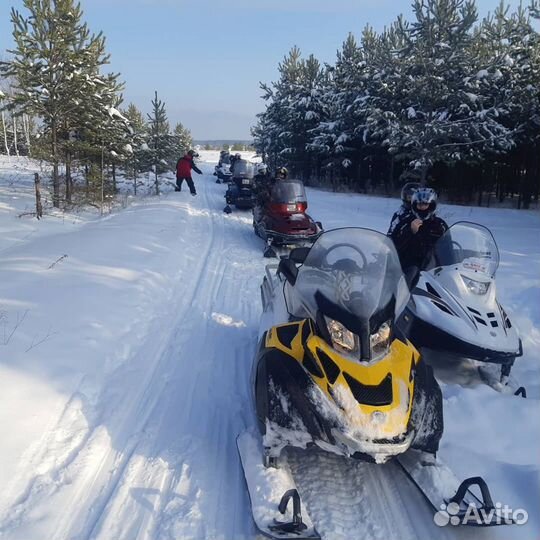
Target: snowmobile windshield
{"type": "Point", "coordinates": [353, 275]}
{"type": "Point", "coordinates": [288, 192]}
{"type": "Point", "coordinates": [243, 169]}
{"type": "Point", "coordinates": [470, 245]}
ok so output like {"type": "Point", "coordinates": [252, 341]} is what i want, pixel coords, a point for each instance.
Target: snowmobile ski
{"type": "Point", "coordinates": [452, 500]}
{"type": "Point", "coordinates": [275, 501]}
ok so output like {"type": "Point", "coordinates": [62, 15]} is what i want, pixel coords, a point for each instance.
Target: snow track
{"type": "Point", "coordinates": [182, 479]}
{"type": "Point", "coordinates": [377, 502]}
{"type": "Point", "coordinates": [158, 460]}
{"type": "Point", "coordinates": [142, 446]}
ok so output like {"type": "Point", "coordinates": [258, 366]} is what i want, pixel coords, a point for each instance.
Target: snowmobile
{"type": "Point", "coordinates": [223, 173]}
{"type": "Point", "coordinates": [240, 190]}
{"type": "Point", "coordinates": [335, 370]}
{"type": "Point", "coordinates": [282, 220]}
{"type": "Point", "coordinates": [456, 315]}
{"type": "Point", "coordinates": [223, 169]}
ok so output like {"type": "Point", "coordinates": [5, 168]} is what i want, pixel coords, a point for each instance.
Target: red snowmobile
{"type": "Point", "coordinates": [281, 219]}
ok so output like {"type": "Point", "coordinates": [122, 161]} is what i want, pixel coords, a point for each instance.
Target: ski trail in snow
{"type": "Point", "coordinates": [105, 481]}
{"type": "Point", "coordinates": [197, 489]}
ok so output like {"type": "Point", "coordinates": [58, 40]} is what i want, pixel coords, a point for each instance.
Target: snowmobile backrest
{"type": "Point", "coordinates": [288, 269]}
{"type": "Point", "coordinates": [299, 254]}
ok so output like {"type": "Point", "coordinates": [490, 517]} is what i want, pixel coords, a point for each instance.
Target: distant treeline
{"type": "Point", "coordinates": [231, 146]}
{"type": "Point", "coordinates": [445, 98]}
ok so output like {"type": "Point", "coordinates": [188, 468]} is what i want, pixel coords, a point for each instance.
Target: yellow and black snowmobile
{"type": "Point", "coordinates": [334, 369]}
{"type": "Point", "coordinates": [334, 366]}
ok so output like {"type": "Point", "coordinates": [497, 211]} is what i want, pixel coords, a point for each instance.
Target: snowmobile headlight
{"type": "Point", "coordinates": [476, 287]}
{"type": "Point", "coordinates": [343, 340]}
{"type": "Point", "coordinates": [380, 340]}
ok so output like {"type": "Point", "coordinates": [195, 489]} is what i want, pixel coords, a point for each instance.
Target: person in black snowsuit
{"type": "Point", "coordinates": [263, 186]}
{"type": "Point", "coordinates": [405, 209]}
{"type": "Point", "coordinates": [184, 166]}
{"type": "Point", "coordinates": [417, 232]}
{"type": "Point", "coordinates": [224, 158]}
{"type": "Point", "coordinates": [233, 160]}
{"type": "Point", "coordinates": [261, 180]}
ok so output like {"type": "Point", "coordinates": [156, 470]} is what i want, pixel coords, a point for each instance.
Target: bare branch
{"type": "Point", "coordinates": [57, 261]}
{"type": "Point", "coordinates": [18, 323]}
{"type": "Point", "coordinates": [35, 343]}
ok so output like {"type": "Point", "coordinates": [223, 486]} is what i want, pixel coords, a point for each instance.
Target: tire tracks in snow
{"type": "Point", "coordinates": [110, 503]}
{"type": "Point", "coordinates": [104, 466]}
{"type": "Point", "coordinates": [194, 498]}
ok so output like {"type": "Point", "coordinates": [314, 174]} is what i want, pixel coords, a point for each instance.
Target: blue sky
{"type": "Point", "coordinates": [206, 57]}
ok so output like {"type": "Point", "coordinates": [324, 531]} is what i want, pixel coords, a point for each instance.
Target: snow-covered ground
{"type": "Point", "coordinates": [126, 343]}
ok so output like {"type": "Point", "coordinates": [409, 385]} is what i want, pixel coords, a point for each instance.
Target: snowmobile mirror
{"type": "Point", "coordinates": [288, 269]}
{"type": "Point", "coordinates": [299, 254]}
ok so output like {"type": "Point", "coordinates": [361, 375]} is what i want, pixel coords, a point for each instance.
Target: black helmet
{"type": "Point", "coordinates": [192, 153]}
{"type": "Point", "coordinates": [407, 192]}
{"type": "Point", "coordinates": [424, 196]}
{"type": "Point", "coordinates": [282, 172]}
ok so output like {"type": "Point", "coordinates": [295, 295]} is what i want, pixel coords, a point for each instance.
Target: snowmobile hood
{"type": "Point", "coordinates": [456, 296]}
{"type": "Point", "coordinates": [369, 403]}
{"type": "Point", "coordinates": [375, 398]}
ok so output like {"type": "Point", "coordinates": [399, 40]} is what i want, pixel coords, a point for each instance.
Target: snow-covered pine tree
{"type": "Point", "coordinates": [263, 139]}
{"type": "Point", "coordinates": [160, 141]}
{"type": "Point", "coordinates": [138, 158]}
{"type": "Point", "coordinates": [309, 111]}
{"type": "Point", "coordinates": [431, 94]}
{"type": "Point", "coordinates": [98, 134]}
{"type": "Point", "coordinates": [509, 51]}
{"type": "Point", "coordinates": [275, 122]}
{"type": "Point", "coordinates": [338, 138]}
{"type": "Point", "coordinates": [182, 141]}
{"type": "Point", "coordinates": [440, 113]}
{"type": "Point", "coordinates": [294, 109]}
{"type": "Point", "coordinates": [54, 63]}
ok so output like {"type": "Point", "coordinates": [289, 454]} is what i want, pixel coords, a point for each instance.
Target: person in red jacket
{"type": "Point", "coordinates": [183, 172]}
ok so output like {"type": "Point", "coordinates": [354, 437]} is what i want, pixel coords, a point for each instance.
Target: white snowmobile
{"type": "Point", "coordinates": [223, 169]}
{"type": "Point", "coordinates": [456, 317]}
{"type": "Point", "coordinates": [335, 370]}
{"type": "Point", "coordinates": [223, 173]}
